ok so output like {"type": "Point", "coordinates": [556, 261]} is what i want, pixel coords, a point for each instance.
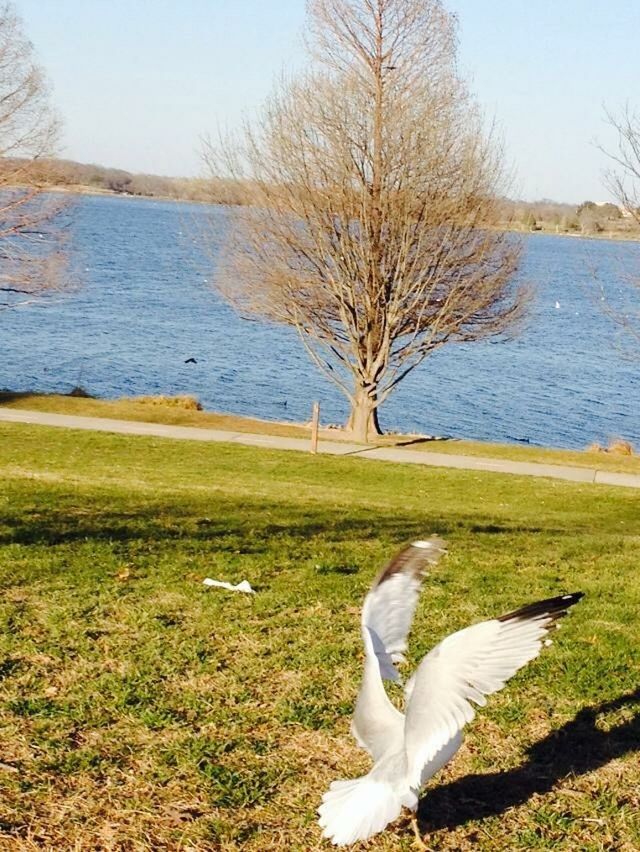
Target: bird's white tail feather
{"type": "Point", "coordinates": [356, 810]}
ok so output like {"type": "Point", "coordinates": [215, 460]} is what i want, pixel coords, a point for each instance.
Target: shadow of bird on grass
{"type": "Point", "coordinates": [576, 748]}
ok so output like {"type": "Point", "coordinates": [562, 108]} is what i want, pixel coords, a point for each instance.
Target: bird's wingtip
{"type": "Point", "coordinates": [433, 543]}
{"type": "Point", "coordinates": [551, 608]}
{"type": "Point", "coordinates": [413, 559]}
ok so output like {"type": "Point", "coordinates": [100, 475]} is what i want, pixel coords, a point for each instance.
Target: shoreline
{"type": "Point", "coordinates": [593, 476]}
{"type": "Point", "coordinates": [183, 412]}
{"type": "Point", "coordinates": [611, 236]}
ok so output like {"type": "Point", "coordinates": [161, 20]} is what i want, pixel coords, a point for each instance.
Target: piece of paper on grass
{"type": "Point", "coordinates": [242, 586]}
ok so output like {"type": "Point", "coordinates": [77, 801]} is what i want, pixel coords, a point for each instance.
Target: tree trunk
{"type": "Point", "coordinates": [363, 420]}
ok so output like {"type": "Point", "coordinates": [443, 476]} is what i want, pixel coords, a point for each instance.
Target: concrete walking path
{"type": "Point", "coordinates": [336, 448]}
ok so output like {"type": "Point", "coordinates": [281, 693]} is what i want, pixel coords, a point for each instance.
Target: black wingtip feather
{"type": "Point", "coordinates": [554, 608]}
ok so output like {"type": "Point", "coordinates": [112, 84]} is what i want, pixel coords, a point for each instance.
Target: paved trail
{"type": "Point", "coordinates": [336, 448]}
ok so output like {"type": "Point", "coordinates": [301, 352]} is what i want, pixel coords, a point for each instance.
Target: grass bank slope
{"type": "Point", "coordinates": [141, 710]}
{"type": "Point", "coordinates": [155, 411]}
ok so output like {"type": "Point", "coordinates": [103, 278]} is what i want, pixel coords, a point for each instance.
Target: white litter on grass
{"type": "Point", "coordinates": [243, 585]}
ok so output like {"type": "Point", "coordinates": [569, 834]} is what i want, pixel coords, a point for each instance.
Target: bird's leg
{"type": "Point", "coordinates": [420, 844]}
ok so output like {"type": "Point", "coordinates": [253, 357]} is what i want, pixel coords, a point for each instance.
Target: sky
{"type": "Point", "coordinates": [138, 83]}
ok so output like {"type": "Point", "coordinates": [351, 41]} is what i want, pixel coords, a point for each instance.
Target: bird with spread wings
{"type": "Point", "coordinates": [408, 749]}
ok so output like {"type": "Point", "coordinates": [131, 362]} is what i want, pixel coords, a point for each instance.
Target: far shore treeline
{"type": "Point", "coordinates": [588, 218]}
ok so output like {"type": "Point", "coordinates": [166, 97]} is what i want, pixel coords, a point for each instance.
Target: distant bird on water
{"type": "Point", "coordinates": [191, 361]}
{"type": "Point", "coordinates": [408, 749]}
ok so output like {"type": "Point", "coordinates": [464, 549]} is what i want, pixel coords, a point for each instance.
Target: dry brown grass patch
{"type": "Point", "coordinates": [185, 401]}
{"type": "Point", "coordinates": [619, 447]}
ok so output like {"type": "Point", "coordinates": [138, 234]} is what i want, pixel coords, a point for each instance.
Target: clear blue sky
{"type": "Point", "coordinates": [139, 82]}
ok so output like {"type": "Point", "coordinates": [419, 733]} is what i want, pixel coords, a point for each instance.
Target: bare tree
{"type": "Point", "coordinates": [623, 181]}
{"type": "Point", "coordinates": [371, 192]}
{"type": "Point", "coordinates": [31, 257]}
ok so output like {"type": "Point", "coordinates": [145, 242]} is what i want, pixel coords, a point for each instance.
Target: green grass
{"type": "Point", "coordinates": [141, 710]}
{"type": "Point", "coordinates": [135, 409]}
{"type": "Point", "coordinates": [573, 458]}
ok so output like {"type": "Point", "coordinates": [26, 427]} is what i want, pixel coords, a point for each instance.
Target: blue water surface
{"type": "Point", "coordinates": [146, 304]}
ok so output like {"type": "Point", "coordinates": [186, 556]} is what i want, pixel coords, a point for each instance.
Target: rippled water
{"type": "Point", "coordinates": [146, 306]}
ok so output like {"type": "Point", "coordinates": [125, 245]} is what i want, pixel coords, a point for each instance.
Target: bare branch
{"type": "Point", "coordinates": [623, 181]}
{"type": "Point", "coordinates": [31, 230]}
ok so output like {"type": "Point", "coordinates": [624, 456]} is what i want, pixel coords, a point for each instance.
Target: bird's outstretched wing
{"type": "Point", "coordinates": [386, 618]}
{"type": "Point", "coordinates": [388, 609]}
{"type": "Point", "coordinates": [465, 667]}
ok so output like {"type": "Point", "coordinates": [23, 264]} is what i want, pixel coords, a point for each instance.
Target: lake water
{"type": "Point", "coordinates": [146, 305]}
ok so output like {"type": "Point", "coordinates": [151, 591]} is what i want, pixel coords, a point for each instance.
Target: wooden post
{"type": "Point", "coordinates": [315, 422]}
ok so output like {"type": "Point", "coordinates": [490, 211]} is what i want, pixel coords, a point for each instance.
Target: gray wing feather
{"type": "Point", "coordinates": [390, 605]}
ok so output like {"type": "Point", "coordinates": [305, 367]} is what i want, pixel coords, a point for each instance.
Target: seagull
{"type": "Point", "coordinates": [408, 749]}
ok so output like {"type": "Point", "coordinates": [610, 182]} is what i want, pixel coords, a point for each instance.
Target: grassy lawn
{"type": "Point", "coordinates": [573, 458]}
{"type": "Point", "coordinates": [134, 409]}
{"type": "Point", "coordinates": [142, 711]}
